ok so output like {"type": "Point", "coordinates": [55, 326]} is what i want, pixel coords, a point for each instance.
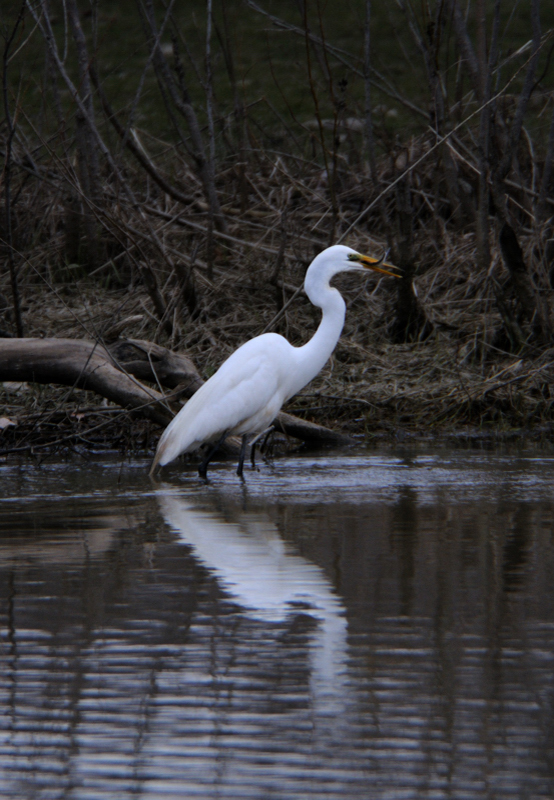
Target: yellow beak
{"type": "Point", "coordinates": [375, 264]}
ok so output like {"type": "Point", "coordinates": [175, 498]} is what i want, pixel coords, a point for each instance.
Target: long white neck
{"type": "Point", "coordinates": [311, 358]}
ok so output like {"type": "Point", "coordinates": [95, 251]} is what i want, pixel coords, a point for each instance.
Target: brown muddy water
{"type": "Point", "coordinates": [355, 625]}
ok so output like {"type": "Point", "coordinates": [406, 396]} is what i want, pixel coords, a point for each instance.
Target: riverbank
{"type": "Point", "coordinates": [448, 386]}
{"type": "Point", "coordinates": [184, 210]}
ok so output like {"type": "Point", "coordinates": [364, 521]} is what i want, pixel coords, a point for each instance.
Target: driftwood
{"type": "Point", "coordinates": [151, 362]}
{"type": "Point", "coordinates": [83, 364]}
{"type": "Point", "coordinates": [309, 432]}
{"type": "Point", "coordinates": [116, 371]}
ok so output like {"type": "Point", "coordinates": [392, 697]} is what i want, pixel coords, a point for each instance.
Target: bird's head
{"type": "Point", "coordinates": [340, 258]}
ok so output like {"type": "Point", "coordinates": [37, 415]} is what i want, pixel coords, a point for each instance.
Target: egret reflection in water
{"type": "Point", "coordinates": [260, 572]}
{"type": "Point", "coordinates": [195, 653]}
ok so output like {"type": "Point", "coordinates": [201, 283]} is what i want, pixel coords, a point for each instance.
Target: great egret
{"type": "Point", "coordinates": [246, 393]}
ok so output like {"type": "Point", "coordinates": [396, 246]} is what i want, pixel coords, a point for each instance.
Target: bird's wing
{"type": "Point", "coordinates": [244, 390]}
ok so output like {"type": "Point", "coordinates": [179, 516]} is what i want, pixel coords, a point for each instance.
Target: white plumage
{"type": "Point", "coordinates": [247, 392]}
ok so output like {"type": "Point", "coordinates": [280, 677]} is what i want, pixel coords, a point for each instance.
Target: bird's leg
{"type": "Point", "coordinates": [263, 435]}
{"type": "Point", "coordinates": [268, 435]}
{"type": "Point", "coordinates": [242, 454]}
{"type": "Point", "coordinates": [203, 468]}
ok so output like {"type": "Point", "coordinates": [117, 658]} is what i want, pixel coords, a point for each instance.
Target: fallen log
{"type": "Point", "coordinates": [85, 365]}
{"type": "Point", "coordinates": [116, 372]}
{"type": "Point", "coordinates": [151, 362]}
{"type": "Point", "coordinates": [309, 432]}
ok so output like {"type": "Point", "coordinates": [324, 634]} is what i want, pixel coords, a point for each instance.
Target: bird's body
{"type": "Point", "coordinates": [247, 392]}
{"type": "Point", "coordinates": [243, 396]}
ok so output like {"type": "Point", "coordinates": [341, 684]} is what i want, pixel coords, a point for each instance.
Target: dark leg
{"type": "Point", "coordinates": [203, 468]}
{"type": "Point", "coordinates": [268, 434]}
{"type": "Point", "coordinates": [255, 441]}
{"type": "Point", "coordinates": [242, 454]}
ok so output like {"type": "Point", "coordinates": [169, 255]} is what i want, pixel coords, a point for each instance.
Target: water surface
{"type": "Point", "coordinates": [359, 625]}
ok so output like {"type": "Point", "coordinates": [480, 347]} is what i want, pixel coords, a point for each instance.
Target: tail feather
{"type": "Point", "coordinates": [155, 464]}
{"type": "Point", "coordinates": [168, 448]}
{"type": "Point", "coordinates": [175, 440]}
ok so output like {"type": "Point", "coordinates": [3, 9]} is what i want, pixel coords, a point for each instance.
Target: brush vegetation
{"type": "Point", "coordinates": [170, 170]}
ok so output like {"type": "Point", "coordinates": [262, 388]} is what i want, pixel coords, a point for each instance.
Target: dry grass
{"type": "Point", "coordinates": [201, 241]}
{"type": "Point", "coordinates": [459, 377]}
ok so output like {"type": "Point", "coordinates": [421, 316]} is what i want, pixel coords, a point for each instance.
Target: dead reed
{"type": "Point", "coordinates": [201, 241]}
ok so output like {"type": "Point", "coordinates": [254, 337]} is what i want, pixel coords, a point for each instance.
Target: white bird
{"type": "Point", "coordinates": [247, 392]}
